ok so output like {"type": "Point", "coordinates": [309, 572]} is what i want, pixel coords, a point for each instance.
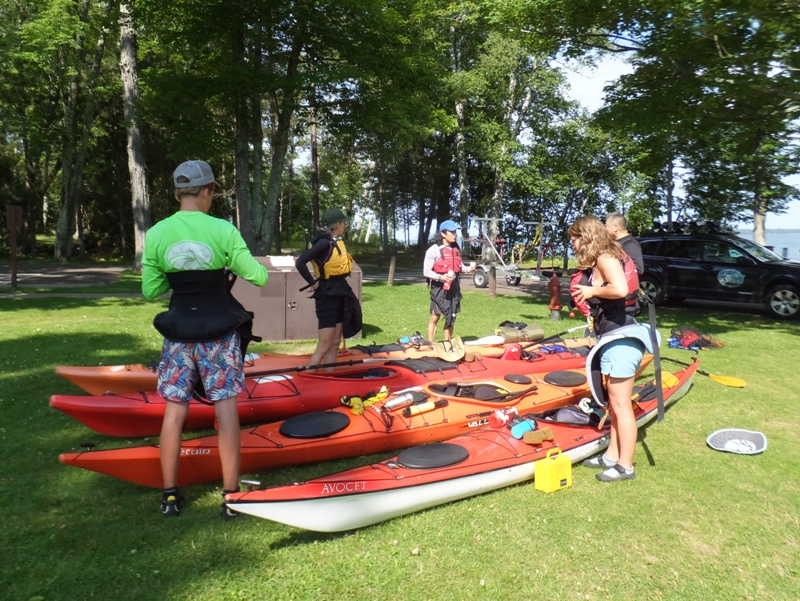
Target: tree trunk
{"type": "Point", "coordinates": [256, 130]}
{"type": "Point", "coordinates": [461, 146]}
{"type": "Point", "coordinates": [247, 214]}
{"type": "Point", "coordinates": [314, 160]}
{"type": "Point", "coordinates": [76, 141]}
{"type": "Point", "coordinates": [369, 227]}
{"type": "Point", "coordinates": [496, 209]}
{"type": "Point", "coordinates": [129, 71]}
{"type": "Point", "coordinates": [248, 133]}
{"type": "Point", "coordinates": [670, 191]}
{"type": "Point", "coordinates": [760, 203]}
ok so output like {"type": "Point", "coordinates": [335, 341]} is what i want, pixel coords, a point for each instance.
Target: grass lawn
{"type": "Point", "coordinates": [696, 524]}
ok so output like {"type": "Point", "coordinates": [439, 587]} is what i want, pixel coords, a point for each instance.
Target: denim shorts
{"type": "Point", "coordinates": [621, 358]}
{"type": "Point", "coordinates": [217, 363]}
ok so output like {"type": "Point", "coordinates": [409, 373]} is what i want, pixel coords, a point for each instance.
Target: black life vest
{"type": "Point", "coordinates": [201, 308]}
{"type": "Point", "coordinates": [611, 313]}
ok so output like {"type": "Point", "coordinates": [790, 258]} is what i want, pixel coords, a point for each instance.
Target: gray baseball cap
{"type": "Point", "coordinates": [192, 174]}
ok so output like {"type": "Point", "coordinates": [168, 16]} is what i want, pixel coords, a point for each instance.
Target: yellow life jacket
{"type": "Point", "coordinates": [337, 263]}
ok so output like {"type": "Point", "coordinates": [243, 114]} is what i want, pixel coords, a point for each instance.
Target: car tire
{"type": "Point", "coordinates": [783, 301]}
{"type": "Point", "coordinates": [480, 278]}
{"type": "Point", "coordinates": [652, 289]}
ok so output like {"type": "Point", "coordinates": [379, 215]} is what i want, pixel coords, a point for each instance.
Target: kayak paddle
{"type": "Point", "coordinates": [271, 372]}
{"type": "Point", "coordinates": [725, 380]}
{"type": "Point", "coordinates": [554, 336]}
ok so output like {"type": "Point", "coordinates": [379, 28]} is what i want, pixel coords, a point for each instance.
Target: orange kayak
{"type": "Point", "coordinates": [449, 408]}
{"type": "Point", "coordinates": [135, 378]}
{"type": "Point", "coordinates": [280, 396]}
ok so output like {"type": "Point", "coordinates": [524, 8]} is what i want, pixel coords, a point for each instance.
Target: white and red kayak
{"type": "Point", "coordinates": [476, 462]}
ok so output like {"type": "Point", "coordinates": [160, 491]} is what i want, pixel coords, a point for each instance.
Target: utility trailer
{"type": "Point", "coordinates": [491, 256]}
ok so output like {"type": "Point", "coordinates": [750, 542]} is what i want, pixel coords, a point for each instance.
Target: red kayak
{"type": "Point", "coordinates": [280, 396]}
{"type": "Point", "coordinates": [473, 463]}
{"type": "Point", "coordinates": [444, 409]}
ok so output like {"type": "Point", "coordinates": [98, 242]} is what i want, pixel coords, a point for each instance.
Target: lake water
{"type": "Point", "coordinates": [780, 240]}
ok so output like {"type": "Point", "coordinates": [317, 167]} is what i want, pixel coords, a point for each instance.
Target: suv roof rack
{"type": "Point", "coordinates": [689, 227]}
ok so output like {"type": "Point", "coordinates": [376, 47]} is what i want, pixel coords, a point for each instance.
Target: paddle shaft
{"type": "Point", "coordinates": [272, 372]}
{"type": "Point", "coordinates": [553, 337]}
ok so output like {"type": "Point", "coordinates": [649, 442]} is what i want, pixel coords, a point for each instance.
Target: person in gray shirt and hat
{"type": "Point", "coordinates": [441, 267]}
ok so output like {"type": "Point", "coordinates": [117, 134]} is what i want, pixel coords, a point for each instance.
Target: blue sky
{"type": "Point", "coordinates": [587, 88]}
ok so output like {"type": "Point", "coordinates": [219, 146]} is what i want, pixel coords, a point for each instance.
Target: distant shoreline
{"type": "Point", "coordinates": [774, 230]}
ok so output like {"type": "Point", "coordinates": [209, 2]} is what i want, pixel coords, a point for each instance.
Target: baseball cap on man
{"type": "Point", "coordinates": [191, 174]}
{"type": "Point", "coordinates": [333, 216]}
{"type": "Point", "coordinates": [448, 226]}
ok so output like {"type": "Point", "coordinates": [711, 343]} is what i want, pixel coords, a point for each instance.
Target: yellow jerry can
{"type": "Point", "coordinates": [554, 472]}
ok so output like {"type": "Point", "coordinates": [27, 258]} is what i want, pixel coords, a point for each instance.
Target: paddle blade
{"type": "Point", "coordinates": [668, 380]}
{"type": "Point", "coordinates": [728, 381]}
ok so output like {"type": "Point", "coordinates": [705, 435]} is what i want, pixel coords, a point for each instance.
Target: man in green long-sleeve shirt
{"type": "Point", "coordinates": [189, 253]}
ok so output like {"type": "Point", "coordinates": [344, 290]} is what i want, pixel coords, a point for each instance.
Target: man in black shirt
{"type": "Point", "coordinates": [617, 227]}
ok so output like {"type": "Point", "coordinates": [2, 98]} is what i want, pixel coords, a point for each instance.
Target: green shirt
{"type": "Point", "coordinates": [192, 240]}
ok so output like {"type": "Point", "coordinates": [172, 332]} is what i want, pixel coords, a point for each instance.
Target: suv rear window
{"type": "Point", "coordinates": [650, 247]}
{"type": "Point", "coordinates": [681, 249]}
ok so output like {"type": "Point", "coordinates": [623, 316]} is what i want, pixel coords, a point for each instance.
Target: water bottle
{"type": "Point", "coordinates": [405, 398]}
{"type": "Point", "coordinates": [501, 417]}
{"type": "Point", "coordinates": [447, 283]}
{"type": "Point", "coordinates": [527, 425]}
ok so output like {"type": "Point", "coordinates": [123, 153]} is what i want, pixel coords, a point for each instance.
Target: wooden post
{"type": "Point", "coordinates": [493, 280]}
{"type": "Point", "coordinates": [13, 222]}
{"type": "Point", "coordinates": [392, 264]}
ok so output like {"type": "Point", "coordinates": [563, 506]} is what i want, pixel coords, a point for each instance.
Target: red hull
{"type": "Point", "coordinates": [376, 430]}
{"type": "Point", "coordinates": [274, 398]}
{"type": "Point", "coordinates": [133, 379]}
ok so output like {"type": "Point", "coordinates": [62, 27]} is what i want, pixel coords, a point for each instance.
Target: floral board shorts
{"type": "Point", "coordinates": [218, 364]}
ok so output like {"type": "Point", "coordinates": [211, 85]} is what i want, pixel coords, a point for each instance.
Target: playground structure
{"type": "Point", "coordinates": [493, 253]}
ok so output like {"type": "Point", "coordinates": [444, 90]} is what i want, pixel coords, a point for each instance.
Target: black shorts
{"type": "Point", "coordinates": [330, 311]}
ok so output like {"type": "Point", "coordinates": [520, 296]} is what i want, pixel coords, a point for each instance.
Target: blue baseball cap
{"type": "Point", "coordinates": [449, 226]}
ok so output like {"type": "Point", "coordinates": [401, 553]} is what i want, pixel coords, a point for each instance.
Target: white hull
{"type": "Point", "coordinates": [360, 509]}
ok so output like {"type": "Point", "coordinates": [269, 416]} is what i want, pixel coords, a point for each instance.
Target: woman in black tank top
{"type": "Point", "coordinates": [604, 291]}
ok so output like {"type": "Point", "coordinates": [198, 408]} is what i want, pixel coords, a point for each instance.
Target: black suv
{"type": "Point", "coordinates": [718, 266]}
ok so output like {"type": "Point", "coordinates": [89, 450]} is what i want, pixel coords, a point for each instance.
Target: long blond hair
{"type": "Point", "coordinates": [595, 241]}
